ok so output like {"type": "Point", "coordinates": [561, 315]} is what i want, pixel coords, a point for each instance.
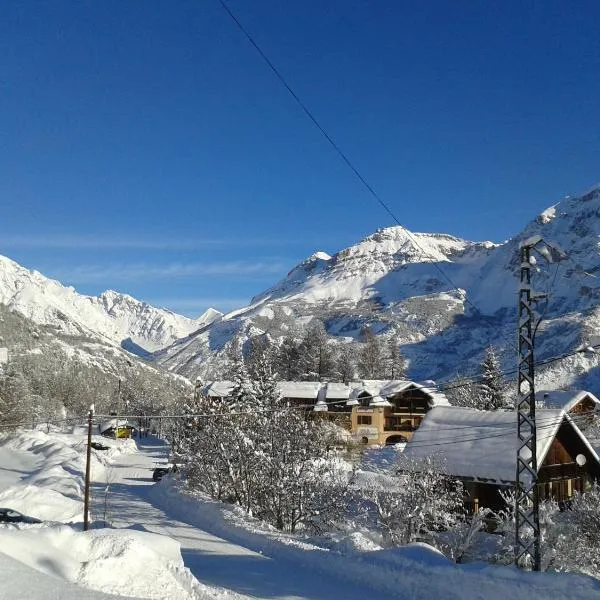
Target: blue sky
{"type": "Point", "coordinates": [145, 147]}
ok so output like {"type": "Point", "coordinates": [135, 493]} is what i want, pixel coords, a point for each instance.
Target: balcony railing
{"type": "Point", "coordinates": [399, 427]}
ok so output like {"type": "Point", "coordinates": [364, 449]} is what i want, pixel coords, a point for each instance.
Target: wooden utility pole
{"type": "Point", "coordinates": [86, 496]}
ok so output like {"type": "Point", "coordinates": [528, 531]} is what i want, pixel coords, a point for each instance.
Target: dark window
{"type": "Point", "coordinates": [364, 420]}
{"type": "Point", "coordinates": [557, 455]}
{"type": "Point", "coordinates": [364, 399]}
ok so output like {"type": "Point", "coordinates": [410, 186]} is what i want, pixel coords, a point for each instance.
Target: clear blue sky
{"type": "Point", "coordinates": [145, 146]}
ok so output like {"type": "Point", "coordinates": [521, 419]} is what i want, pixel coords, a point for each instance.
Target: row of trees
{"type": "Point", "coordinates": [313, 355]}
{"type": "Point", "coordinates": [51, 386]}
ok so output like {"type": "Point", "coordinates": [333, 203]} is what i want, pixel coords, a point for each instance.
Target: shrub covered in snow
{"type": "Point", "coordinates": [258, 452]}
{"type": "Point", "coordinates": [415, 502]}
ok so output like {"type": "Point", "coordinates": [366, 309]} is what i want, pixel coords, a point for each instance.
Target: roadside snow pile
{"type": "Point", "coordinates": [20, 582]}
{"type": "Point", "coordinates": [124, 562]}
{"type": "Point", "coordinates": [49, 485]}
{"type": "Point", "coordinates": [416, 571]}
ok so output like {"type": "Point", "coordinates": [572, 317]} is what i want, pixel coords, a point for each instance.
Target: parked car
{"type": "Point", "coordinates": [8, 515]}
{"type": "Point", "coordinates": [159, 472]}
{"type": "Point", "coordinates": [99, 446]}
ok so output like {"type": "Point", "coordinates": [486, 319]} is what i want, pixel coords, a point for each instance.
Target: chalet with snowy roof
{"type": "Point", "coordinates": [390, 411]}
{"type": "Point", "coordinates": [577, 402]}
{"type": "Point", "coordinates": [480, 448]}
{"type": "Point", "coordinates": [375, 411]}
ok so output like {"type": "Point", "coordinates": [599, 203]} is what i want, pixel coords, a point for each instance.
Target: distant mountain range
{"type": "Point", "coordinates": [111, 317]}
{"type": "Point", "coordinates": [445, 299]}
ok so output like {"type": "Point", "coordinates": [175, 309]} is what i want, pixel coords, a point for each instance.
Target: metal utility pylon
{"type": "Point", "coordinates": [527, 520]}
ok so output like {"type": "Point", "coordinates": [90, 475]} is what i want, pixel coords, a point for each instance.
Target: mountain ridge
{"type": "Point", "coordinates": [112, 316]}
{"type": "Point", "coordinates": [388, 282]}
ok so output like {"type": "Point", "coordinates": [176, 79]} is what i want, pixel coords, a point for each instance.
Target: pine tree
{"type": "Point", "coordinates": [258, 347]}
{"type": "Point", "coordinates": [241, 393]}
{"type": "Point", "coordinates": [317, 359]}
{"type": "Point", "coordinates": [462, 392]}
{"type": "Point", "coordinates": [396, 364]}
{"type": "Point", "coordinates": [491, 382]}
{"type": "Point", "coordinates": [345, 365]}
{"type": "Point", "coordinates": [370, 357]}
{"type": "Point", "coordinates": [287, 359]}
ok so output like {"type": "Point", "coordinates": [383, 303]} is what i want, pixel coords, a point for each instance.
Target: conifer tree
{"type": "Point", "coordinates": [345, 364]}
{"type": "Point", "coordinates": [491, 382]}
{"type": "Point", "coordinates": [370, 357]}
{"type": "Point", "coordinates": [462, 392]}
{"type": "Point", "coordinates": [396, 364]}
{"type": "Point", "coordinates": [316, 354]}
{"type": "Point", "coordinates": [288, 359]}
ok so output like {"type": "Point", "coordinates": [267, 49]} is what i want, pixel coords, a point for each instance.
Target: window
{"type": "Point", "coordinates": [557, 455]}
{"type": "Point", "coordinates": [364, 420]}
{"type": "Point", "coordinates": [364, 399]}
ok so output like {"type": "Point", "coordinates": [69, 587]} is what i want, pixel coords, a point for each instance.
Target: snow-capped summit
{"type": "Point", "coordinates": [210, 315]}
{"type": "Point", "coordinates": [446, 298]}
{"type": "Point", "coordinates": [113, 317]}
{"type": "Point", "coordinates": [357, 273]}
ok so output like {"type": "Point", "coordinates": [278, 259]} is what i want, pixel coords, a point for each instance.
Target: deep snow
{"type": "Point", "coordinates": [226, 554]}
{"type": "Point", "coordinates": [111, 317]}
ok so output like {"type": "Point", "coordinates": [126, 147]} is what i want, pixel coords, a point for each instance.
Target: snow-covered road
{"type": "Point", "coordinates": [230, 569]}
{"type": "Point", "coordinates": [230, 556]}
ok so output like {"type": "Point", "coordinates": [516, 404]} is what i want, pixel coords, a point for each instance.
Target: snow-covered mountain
{"type": "Point", "coordinates": [112, 317]}
{"type": "Point", "coordinates": [446, 298]}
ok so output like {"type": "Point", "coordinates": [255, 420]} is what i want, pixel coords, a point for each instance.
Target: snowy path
{"type": "Point", "coordinates": [233, 570]}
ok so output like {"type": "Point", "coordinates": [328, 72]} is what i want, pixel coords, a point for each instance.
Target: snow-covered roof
{"type": "Point", "coordinates": [379, 401]}
{"type": "Point", "coordinates": [299, 389]}
{"type": "Point", "coordinates": [565, 400]}
{"type": "Point", "coordinates": [388, 387]}
{"type": "Point", "coordinates": [482, 444]}
{"type": "Point", "coordinates": [337, 391]}
{"type": "Point", "coordinates": [395, 386]}
{"type": "Point", "coordinates": [288, 389]}
{"type": "Point", "coordinates": [317, 390]}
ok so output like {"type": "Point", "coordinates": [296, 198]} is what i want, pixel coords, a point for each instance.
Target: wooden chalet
{"type": "Point", "coordinates": [375, 411]}
{"type": "Point", "coordinates": [577, 402]}
{"type": "Point", "coordinates": [480, 448]}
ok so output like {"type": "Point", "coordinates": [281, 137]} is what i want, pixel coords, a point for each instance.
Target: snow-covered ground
{"type": "Point", "coordinates": [165, 544]}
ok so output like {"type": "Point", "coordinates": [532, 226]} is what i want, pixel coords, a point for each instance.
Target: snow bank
{"type": "Point", "coordinates": [50, 487]}
{"type": "Point", "coordinates": [20, 582]}
{"type": "Point", "coordinates": [416, 571]}
{"type": "Point", "coordinates": [43, 474]}
{"type": "Point", "coordinates": [123, 562]}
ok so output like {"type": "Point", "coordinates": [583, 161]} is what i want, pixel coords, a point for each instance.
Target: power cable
{"type": "Point", "coordinates": [338, 149]}
{"type": "Point", "coordinates": [478, 379]}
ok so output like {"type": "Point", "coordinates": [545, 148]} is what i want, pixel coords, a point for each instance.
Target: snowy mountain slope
{"type": "Point", "coordinates": [355, 274]}
{"type": "Point", "coordinates": [112, 317]}
{"type": "Point", "coordinates": [395, 285]}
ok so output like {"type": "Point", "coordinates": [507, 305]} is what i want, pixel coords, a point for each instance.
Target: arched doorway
{"type": "Point", "coordinates": [395, 439]}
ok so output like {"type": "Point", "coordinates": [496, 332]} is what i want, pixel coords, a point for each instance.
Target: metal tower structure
{"type": "Point", "coordinates": [527, 523]}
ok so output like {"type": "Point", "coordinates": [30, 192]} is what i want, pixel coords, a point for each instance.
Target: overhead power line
{"type": "Point", "coordinates": [494, 431]}
{"type": "Point", "coordinates": [339, 150]}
